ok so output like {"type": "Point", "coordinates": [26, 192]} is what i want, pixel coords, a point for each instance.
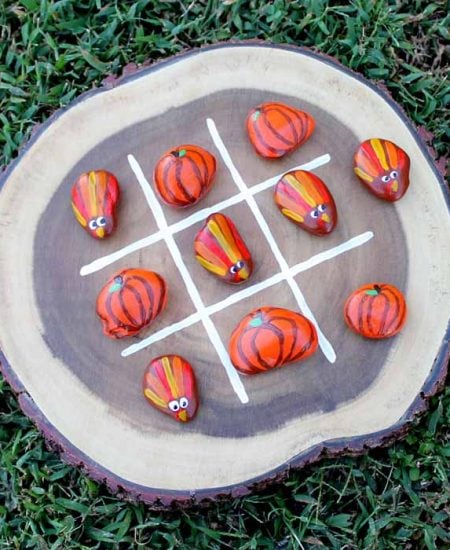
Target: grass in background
{"type": "Point", "coordinates": [50, 52]}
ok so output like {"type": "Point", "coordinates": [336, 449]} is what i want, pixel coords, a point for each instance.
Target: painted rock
{"type": "Point", "coordinates": [276, 129]}
{"type": "Point", "coordinates": [95, 196]}
{"type": "Point", "coordinates": [184, 175]}
{"type": "Point", "coordinates": [270, 337]}
{"type": "Point", "coordinates": [383, 168]}
{"type": "Point", "coordinates": [169, 385]}
{"type": "Point", "coordinates": [130, 301]}
{"type": "Point", "coordinates": [376, 310]}
{"type": "Point", "coordinates": [220, 249]}
{"type": "Point", "coordinates": [305, 199]}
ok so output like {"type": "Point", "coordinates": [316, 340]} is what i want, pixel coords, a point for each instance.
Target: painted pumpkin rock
{"type": "Point", "coordinates": [376, 311]}
{"type": "Point", "coordinates": [95, 196]}
{"type": "Point", "coordinates": [130, 301]}
{"type": "Point", "coordinates": [184, 175]}
{"type": "Point", "coordinates": [305, 199]}
{"type": "Point", "coordinates": [220, 249]}
{"type": "Point", "coordinates": [270, 337]}
{"type": "Point", "coordinates": [383, 168]}
{"type": "Point", "coordinates": [169, 385]}
{"type": "Point", "coordinates": [276, 129]}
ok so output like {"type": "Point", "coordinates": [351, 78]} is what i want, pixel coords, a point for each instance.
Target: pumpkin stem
{"type": "Point", "coordinates": [255, 115]}
{"type": "Point", "coordinates": [117, 285]}
{"type": "Point", "coordinates": [257, 321]}
{"type": "Point", "coordinates": [377, 288]}
{"type": "Point", "coordinates": [179, 153]}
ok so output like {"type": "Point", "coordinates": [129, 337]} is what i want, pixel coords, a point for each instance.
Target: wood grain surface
{"type": "Point", "coordinates": [75, 379]}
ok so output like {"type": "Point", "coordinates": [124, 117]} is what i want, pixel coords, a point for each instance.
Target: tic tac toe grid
{"type": "Point", "coordinates": [202, 312]}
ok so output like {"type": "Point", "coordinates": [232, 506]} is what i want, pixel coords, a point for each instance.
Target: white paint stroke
{"type": "Point", "coordinates": [248, 291]}
{"type": "Point", "coordinates": [332, 252]}
{"type": "Point", "coordinates": [196, 217]}
{"type": "Point", "coordinates": [324, 344]}
{"type": "Point", "coordinates": [194, 294]}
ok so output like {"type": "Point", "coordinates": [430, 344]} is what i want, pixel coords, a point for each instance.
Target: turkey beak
{"type": "Point", "coordinates": [243, 273]}
{"type": "Point", "coordinates": [182, 415]}
{"type": "Point", "coordinates": [326, 218]}
{"type": "Point", "coordinates": [100, 232]}
{"type": "Point", "coordinates": [394, 186]}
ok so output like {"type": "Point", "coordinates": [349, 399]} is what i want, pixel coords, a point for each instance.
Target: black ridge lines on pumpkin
{"type": "Point", "coordinates": [279, 152]}
{"type": "Point", "coordinates": [165, 191]}
{"type": "Point", "coordinates": [361, 312]}
{"type": "Point", "coordinates": [279, 333]}
{"type": "Point", "coordinates": [244, 358]}
{"type": "Point", "coordinates": [279, 136]}
{"type": "Point", "coordinates": [262, 362]}
{"type": "Point", "coordinates": [385, 312]}
{"type": "Point", "coordinates": [184, 191]}
{"type": "Point", "coordinates": [127, 314]}
{"type": "Point", "coordinates": [144, 319]}
{"type": "Point", "coordinates": [294, 327]}
{"type": "Point", "coordinates": [201, 181]}
{"type": "Point", "coordinates": [110, 311]}
{"type": "Point", "coordinates": [397, 317]}
{"type": "Point", "coordinates": [150, 296]}
{"type": "Point", "coordinates": [204, 163]}
{"type": "Point", "coordinates": [163, 292]}
{"type": "Point", "coordinates": [303, 119]}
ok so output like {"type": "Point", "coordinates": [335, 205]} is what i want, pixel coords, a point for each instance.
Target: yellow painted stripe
{"type": "Point", "coordinates": [295, 184]}
{"type": "Point", "coordinates": [78, 215]}
{"type": "Point", "coordinates": [293, 215]}
{"type": "Point", "coordinates": [362, 174]}
{"type": "Point", "coordinates": [212, 267]}
{"type": "Point", "coordinates": [225, 245]}
{"type": "Point", "coordinates": [169, 375]}
{"type": "Point", "coordinates": [378, 148]}
{"type": "Point", "coordinates": [92, 194]}
{"type": "Point", "coordinates": [154, 398]}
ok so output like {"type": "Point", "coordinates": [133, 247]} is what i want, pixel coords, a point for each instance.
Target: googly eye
{"type": "Point", "coordinates": [394, 174]}
{"type": "Point", "coordinates": [184, 403]}
{"type": "Point", "coordinates": [385, 179]}
{"type": "Point", "coordinates": [93, 225]}
{"type": "Point", "coordinates": [101, 221]}
{"type": "Point", "coordinates": [234, 269]}
{"type": "Point", "coordinates": [314, 213]}
{"type": "Point", "coordinates": [174, 406]}
{"type": "Point", "coordinates": [240, 264]}
{"type": "Point", "coordinates": [322, 207]}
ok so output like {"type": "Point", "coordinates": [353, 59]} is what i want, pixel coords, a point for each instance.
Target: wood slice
{"type": "Point", "coordinates": [86, 397]}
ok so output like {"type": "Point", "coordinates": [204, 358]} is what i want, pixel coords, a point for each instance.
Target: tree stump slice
{"type": "Point", "coordinates": [86, 396]}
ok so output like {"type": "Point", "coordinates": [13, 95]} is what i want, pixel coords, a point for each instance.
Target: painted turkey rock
{"type": "Point", "coordinates": [383, 167]}
{"type": "Point", "coordinates": [376, 311]}
{"type": "Point", "coordinates": [276, 129]}
{"type": "Point", "coordinates": [184, 175]}
{"type": "Point", "coordinates": [169, 385]}
{"type": "Point", "coordinates": [130, 301]}
{"type": "Point", "coordinates": [220, 249]}
{"type": "Point", "coordinates": [95, 196]}
{"type": "Point", "coordinates": [270, 337]}
{"type": "Point", "coordinates": [305, 199]}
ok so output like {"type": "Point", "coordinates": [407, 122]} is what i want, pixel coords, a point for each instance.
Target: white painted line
{"type": "Point", "coordinates": [194, 294]}
{"type": "Point", "coordinates": [325, 345]}
{"type": "Point", "coordinates": [332, 252]}
{"type": "Point", "coordinates": [196, 217]}
{"type": "Point", "coordinates": [249, 291]}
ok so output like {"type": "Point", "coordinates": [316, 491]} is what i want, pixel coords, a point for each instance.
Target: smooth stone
{"type": "Point", "coordinates": [95, 195]}
{"type": "Point", "coordinates": [304, 198]}
{"type": "Point", "coordinates": [271, 337]}
{"type": "Point", "coordinates": [220, 249]}
{"type": "Point", "coordinates": [276, 129]}
{"type": "Point", "coordinates": [170, 387]}
{"type": "Point", "coordinates": [383, 167]}
{"type": "Point", "coordinates": [129, 301]}
{"type": "Point", "coordinates": [376, 310]}
{"type": "Point", "coordinates": [184, 175]}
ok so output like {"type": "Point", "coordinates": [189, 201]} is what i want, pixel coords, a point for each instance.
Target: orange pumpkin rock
{"type": "Point", "coordinates": [95, 196]}
{"type": "Point", "coordinates": [130, 301]}
{"type": "Point", "coordinates": [276, 129]}
{"type": "Point", "coordinates": [383, 168]}
{"type": "Point", "coordinates": [305, 199]}
{"type": "Point", "coordinates": [169, 385]}
{"type": "Point", "coordinates": [220, 249]}
{"type": "Point", "coordinates": [270, 337]}
{"type": "Point", "coordinates": [376, 310]}
{"type": "Point", "coordinates": [184, 175]}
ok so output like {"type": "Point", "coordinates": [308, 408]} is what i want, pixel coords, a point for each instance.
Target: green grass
{"type": "Point", "coordinates": [50, 52]}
